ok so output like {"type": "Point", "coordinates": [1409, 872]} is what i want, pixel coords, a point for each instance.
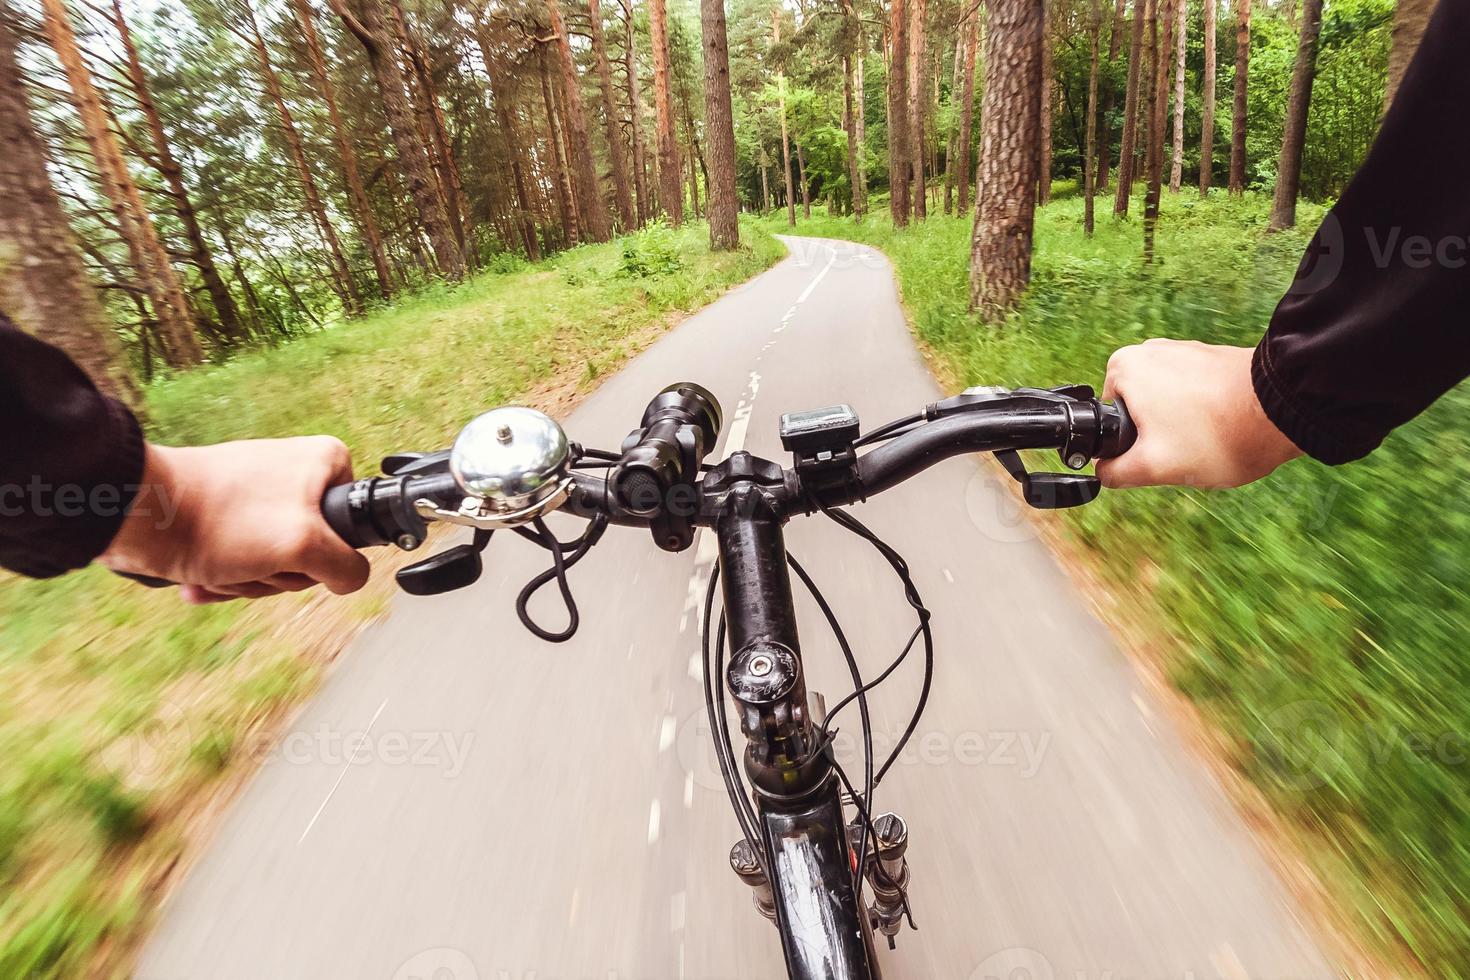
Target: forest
{"type": "Point", "coordinates": [237, 214]}
{"type": "Point", "coordinates": [207, 176]}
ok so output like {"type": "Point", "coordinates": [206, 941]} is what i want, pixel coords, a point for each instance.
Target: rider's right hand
{"type": "Point", "coordinates": [239, 520]}
{"type": "Point", "coordinates": [1199, 421]}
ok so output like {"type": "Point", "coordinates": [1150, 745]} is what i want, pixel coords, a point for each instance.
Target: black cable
{"type": "Point", "coordinates": [715, 710]}
{"type": "Point", "coordinates": [888, 430]}
{"type": "Point", "coordinates": [561, 561]}
{"type": "Point", "coordinates": [911, 594]}
{"type": "Point", "coordinates": [863, 814]}
{"type": "Point", "coordinates": [862, 698]}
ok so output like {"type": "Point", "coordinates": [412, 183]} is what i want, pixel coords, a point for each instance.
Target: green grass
{"type": "Point", "coordinates": [1318, 617]}
{"type": "Point", "coordinates": [123, 707]}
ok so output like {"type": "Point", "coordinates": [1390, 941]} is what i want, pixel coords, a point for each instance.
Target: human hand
{"type": "Point", "coordinates": [1199, 421]}
{"type": "Point", "coordinates": [239, 520]}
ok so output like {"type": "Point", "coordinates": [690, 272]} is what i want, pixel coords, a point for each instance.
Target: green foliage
{"type": "Point", "coordinates": [651, 251]}
{"type": "Point", "coordinates": [1318, 617]}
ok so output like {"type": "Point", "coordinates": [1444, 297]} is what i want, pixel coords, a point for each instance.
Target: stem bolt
{"type": "Point", "coordinates": [761, 666]}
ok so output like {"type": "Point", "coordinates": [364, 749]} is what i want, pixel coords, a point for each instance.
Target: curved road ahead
{"type": "Point", "coordinates": [464, 802]}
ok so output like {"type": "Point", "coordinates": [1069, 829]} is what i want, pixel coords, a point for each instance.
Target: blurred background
{"type": "Point", "coordinates": [376, 218]}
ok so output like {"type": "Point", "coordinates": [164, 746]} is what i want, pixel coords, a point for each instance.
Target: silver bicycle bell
{"type": "Point", "coordinates": [515, 461]}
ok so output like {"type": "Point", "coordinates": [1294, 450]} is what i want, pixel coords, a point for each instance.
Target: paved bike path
{"type": "Point", "coordinates": [464, 802]}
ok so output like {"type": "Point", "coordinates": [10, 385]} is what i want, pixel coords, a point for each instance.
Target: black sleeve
{"type": "Point", "coordinates": [70, 460]}
{"type": "Point", "coordinates": [1376, 325]}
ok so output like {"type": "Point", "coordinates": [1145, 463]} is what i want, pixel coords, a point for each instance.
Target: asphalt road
{"type": "Point", "coordinates": [464, 802]}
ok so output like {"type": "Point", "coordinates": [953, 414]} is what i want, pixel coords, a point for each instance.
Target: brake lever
{"type": "Point", "coordinates": [454, 568]}
{"type": "Point", "coordinates": [1049, 491]}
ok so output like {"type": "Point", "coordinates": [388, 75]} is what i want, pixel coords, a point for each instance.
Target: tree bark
{"type": "Point", "coordinates": [899, 142]}
{"type": "Point", "coordinates": [1176, 170]}
{"type": "Point", "coordinates": [146, 251]}
{"type": "Point", "coordinates": [806, 191]}
{"type": "Point", "coordinates": [766, 180]}
{"type": "Point", "coordinates": [860, 123]}
{"type": "Point", "coordinates": [1294, 129]}
{"type": "Point", "coordinates": [590, 208]}
{"type": "Point", "coordinates": [1126, 152]}
{"type": "Point", "coordinates": [43, 284]}
{"type": "Point", "coordinates": [1158, 105]}
{"type": "Point", "coordinates": [1089, 155]}
{"type": "Point", "coordinates": [951, 145]}
{"type": "Point", "coordinates": [671, 196]}
{"type": "Point", "coordinates": [1207, 122]}
{"type": "Point", "coordinates": [719, 125]}
{"type": "Point", "coordinates": [451, 181]}
{"type": "Point", "coordinates": [1242, 84]}
{"type": "Point", "coordinates": [918, 100]}
{"type": "Point", "coordinates": [314, 203]}
{"type": "Point", "coordinates": [1043, 166]}
{"type": "Point", "coordinates": [622, 192]}
{"type": "Point", "coordinates": [967, 108]}
{"type": "Point", "coordinates": [362, 207]}
{"type": "Point", "coordinates": [1410, 18]}
{"type": "Point", "coordinates": [566, 200]}
{"type": "Point", "coordinates": [635, 116]}
{"type": "Point", "coordinates": [368, 26]}
{"type": "Point", "coordinates": [785, 136]}
{"type": "Point", "coordinates": [1000, 251]}
{"type": "Point", "coordinates": [852, 105]}
{"type": "Point", "coordinates": [1109, 98]}
{"type": "Point", "coordinates": [173, 174]}
{"type": "Point", "coordinates": [500, 96]}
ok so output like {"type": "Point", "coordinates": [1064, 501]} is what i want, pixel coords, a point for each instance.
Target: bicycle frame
{"type": "Point", "coordinates": [812, 870]}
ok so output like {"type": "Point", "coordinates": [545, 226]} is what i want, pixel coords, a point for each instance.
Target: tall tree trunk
{"type": "Point", "coordinates": [1207, 123]}
{"type": "Point", "coordinates": [766, 180]}
{"type": "Point", "coordinates": [1109, 98]}
{"type": "Point", "coordinates": [899, 142]}
{"type": "Point", "coordinates": [806, 191]}
{"type": "Point", "coordinates": [1176, 170]}
{"type": "Point", "coordinates": [500, 95]}
{"type": "Point", "coordinates": [622, 192]}
{"type": "Point", "coordinates": [1126, 152]}
{"type": "Point", "coordinates": [566, 201]}
{"type": "Point", "coordinates": [860, 121]}
{"type": "Point", "coordinates": [1294, 130]}
{"type": "Point", "coordinates": [1158, 104]}
{"type": "Point", "coordinates": [590, 208]}
{"type": "Point", "coordinates": [367, 24]}
{"type": "Point", "coordinates": [1242, 84]}
{"type": "Point", "coordinates": [1410, 18]}
{"type": "Point", "coordinates": [635, 112]}
{"type": "Point", "coordinates": [1048, 82]}
{"type": "Point", "coordinates": [852, 105]}
{"type": "Point", "coordinates": [173, 174]}
{"type": "Point", "coordinates": [146, 251]}
{"type": "Point", "coordinates": [719, 125]}
{"type": "Point", "coordinates": [671, 197]}
{"type": "Point", "coordinates": [362, 208]}
{"type": "Point", "coordinates": [918, 99]}
{"type": "Point", "coordinates": [785, 135]}
{"type": "Point", "coordinates": [951, 145]}
{"type": "Point", "coordinates": [451, 181]}
{"type": "Point", "coordinates": [1010, 121]}
{"type": "Point", "coordinates": [967, 109]}
{"type": "Point", "coordinates": [1089, 154]}
{"type": "Point", "coordinates": [314, 203]}
{"type": "Point", "coordinates": [43, 285]}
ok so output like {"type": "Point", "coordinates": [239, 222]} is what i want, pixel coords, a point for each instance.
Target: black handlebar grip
{"type": "Point", "coordinates": [1118, 431]}
{"type": "Point", "coordinates": [348, 517]}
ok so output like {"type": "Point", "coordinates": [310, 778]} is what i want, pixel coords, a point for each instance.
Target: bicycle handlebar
{"type": "Point", "coordinates": [385, 510]}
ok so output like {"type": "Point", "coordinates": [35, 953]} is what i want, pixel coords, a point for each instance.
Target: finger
{"type": "Point", "coordinates": [198, 595]}
{"type": "Point", "coordinates": [291, 582]}
{"type": "Point", "coordinates": [327, 559]}
{"type": "Point", "coordinates": [1125, 472]}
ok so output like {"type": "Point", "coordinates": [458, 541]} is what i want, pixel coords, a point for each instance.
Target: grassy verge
{"type": "Point", "coordinates": [1317, 618]}
{"type": "Point", "coordinates": [124, 711]}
